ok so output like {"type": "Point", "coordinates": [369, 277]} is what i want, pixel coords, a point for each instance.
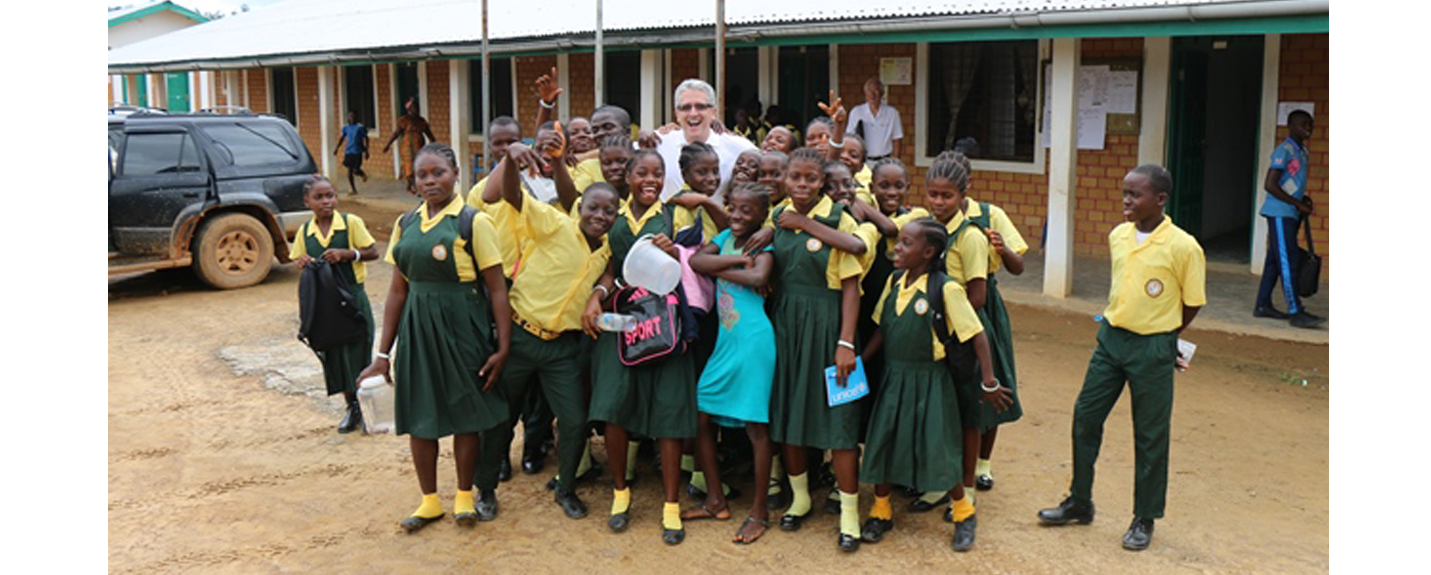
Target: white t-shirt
{"type": "Point", "coordinates": [880, 130]}
{"type": "Point", "coordinates": [727, 146]}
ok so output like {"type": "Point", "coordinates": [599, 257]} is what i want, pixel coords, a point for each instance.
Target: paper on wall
{"type": "Point", "coordinates": [1122, 92]}
{"type": "Point", "coordinates": [1092, 128]}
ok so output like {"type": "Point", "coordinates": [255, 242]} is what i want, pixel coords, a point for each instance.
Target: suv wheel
{"type": "Point", "coordinates": [233, 251]}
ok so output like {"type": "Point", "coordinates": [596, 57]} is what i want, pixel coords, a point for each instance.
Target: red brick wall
{"type": "Point", "coordinates": [1098, 193]}
{"type": "Point", "coordinates": [257, 90]}
{"type": "Point", "coordinates": [685, 63]}
{"type": "Point", "coordinates": [380, 164]}
{"type": "Point", "coordinates": [439, 101]}
{"type": "Point", "coordinates": [861, 62]}
{"type": "Point", "coordinates": [1304, 77]}
{"type": "Point", "coordinates": [529, 68]}
{"type": "Point", "coordinates": [306, 84]}
{"type": "Point", "coordinates": [582, 78]}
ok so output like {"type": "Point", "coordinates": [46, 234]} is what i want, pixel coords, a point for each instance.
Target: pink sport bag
{"type": "Point", "coordinates": [658, 325]}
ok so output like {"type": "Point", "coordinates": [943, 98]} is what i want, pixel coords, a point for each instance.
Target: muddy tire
{"type": "Point", "coordinates": [233, 251]}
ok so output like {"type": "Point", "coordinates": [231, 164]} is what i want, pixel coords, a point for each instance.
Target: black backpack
{"type": "Point", "coordinates": [959, 357]}
{"type": "Point", "coordinates": [327, 308]}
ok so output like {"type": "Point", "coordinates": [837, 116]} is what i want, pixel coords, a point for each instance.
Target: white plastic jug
{"type": "Point", "coordinates": [375, 398]}
{"type": "Point", "coordinates": [649, 267]}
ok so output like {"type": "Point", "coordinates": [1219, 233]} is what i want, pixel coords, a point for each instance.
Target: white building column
{"type": "Point", "coordinates": [325, 120]}
{"type": "Point", "coordinates": [765, 80]}
{"type": "Point", "coordinates": [667, 114]}
{"type": "Point", "coordinates": [1153, 131]}
{"type": "Point", "coordinates": [154, 84]}
{"type": "Point", "coordinates": [563, 81]}
{"type": "Point", "coordinates": [704, 64]}
{"type": "Point", "coordinates": [460, 111]}
{"type": "Point", "coordinates": [651, 91]}
{"type": "Point", "coordinates": [425, 111]}
{"type": "Point", "coordinates": [1062, 173]}
{"type": "Point", "coordinates": [1266, 141]}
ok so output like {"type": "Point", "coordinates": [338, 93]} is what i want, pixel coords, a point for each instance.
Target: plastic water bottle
{"type": "Point", "coordinates": [375, 398]}
{"type": "Point", "coordinates": [616, 322]}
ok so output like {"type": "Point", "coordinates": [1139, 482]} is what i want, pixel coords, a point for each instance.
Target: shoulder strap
{"type": "Point", "coordinates": [669, 213]}
{"type": "Point", "coordinates": [1307, 226]}
{"type": "Point", "coordinates": [959, 230]}
{"type": "Point", "coordinates": [464, 229]}
{"type": "Point", "coordinates": [985, 216]}
{"type": "Point", "coordinates": [935, 296]}
{"type": "Point", "coordinates": [408, 217]}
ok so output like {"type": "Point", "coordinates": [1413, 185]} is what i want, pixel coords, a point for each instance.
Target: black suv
{"type": "Point", "coordinates": [220, 192]}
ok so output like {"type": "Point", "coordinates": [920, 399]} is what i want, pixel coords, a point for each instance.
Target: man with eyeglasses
{"type": "Point", "coordinates": [695, 112]}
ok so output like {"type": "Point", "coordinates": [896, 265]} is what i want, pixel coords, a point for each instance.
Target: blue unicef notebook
{"type": "Point", "coordinates": [856, 386]}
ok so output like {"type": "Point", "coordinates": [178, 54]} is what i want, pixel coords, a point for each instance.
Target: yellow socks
{"type": "Point", "coordinates": [631, 447]}
{"type": "Point", "coordinates": [799, 494]}
{"type": "Point", "coordinates": [671, 516]}
{"type": "Point", "coordinates": [963, 508]}
{"type": "Point", "coordinates": [463, 503]}
{"type": "Point", "coordinates": [431, 507]}
{"type": "Point", "coordinates": [850, 513]}
{"type": "Point", "coordinates": [620, 501]}
{"type": "Point", "coordinates": [881, 509]}
{"type": "Point", "coordinates": [984, 468]}
{"type": "Point", "coordinates": [688, 465]}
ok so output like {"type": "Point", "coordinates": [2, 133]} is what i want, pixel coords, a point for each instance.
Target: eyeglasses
{"type": "Point", "coordinates": [696, 106]}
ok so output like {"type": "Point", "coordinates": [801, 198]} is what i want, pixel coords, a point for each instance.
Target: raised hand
{"type": "Point", "coordinates": [547, 88]}
{"type": "Point", "coordinates": [835, 110]}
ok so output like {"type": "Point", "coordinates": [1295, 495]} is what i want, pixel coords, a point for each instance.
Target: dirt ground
{"type": "Point", "coordinates": [223, 459]}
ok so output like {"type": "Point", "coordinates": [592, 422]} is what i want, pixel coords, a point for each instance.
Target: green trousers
{"type": "Point", "coordinates": [555, 366]}
{"type": "Point", "coordinates": [1146, 364]}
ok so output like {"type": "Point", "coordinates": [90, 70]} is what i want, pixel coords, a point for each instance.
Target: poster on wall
{"type": "Point", "coordinates": [1285, 108]}
{"type": "Point", "coordinates": [896, 71]}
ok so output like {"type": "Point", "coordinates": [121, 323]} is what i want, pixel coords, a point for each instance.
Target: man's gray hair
{"type": "Point", "coordinates": [696, 84]}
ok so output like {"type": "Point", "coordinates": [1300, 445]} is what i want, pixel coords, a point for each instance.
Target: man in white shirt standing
{"type": "Point", "coordinates": [695, 111]}
{"type": "Point", "coordinates": [883, 132]}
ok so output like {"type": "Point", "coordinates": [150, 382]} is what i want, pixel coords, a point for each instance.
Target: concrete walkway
{"type": "Point", "coordinates": [1231, 290]}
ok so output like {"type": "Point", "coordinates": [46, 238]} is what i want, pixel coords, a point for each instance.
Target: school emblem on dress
{"type": "Point", "coordinates": [921, 307]}
{"type": "Point", "coordinates": [1154, 287]}
{"type": "Point", "coordinates": [439, 252]}
{"type": "Point", "coordinates": [813, 245]}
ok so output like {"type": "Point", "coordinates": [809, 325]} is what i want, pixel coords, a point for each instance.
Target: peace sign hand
{"type": "Point", "coordinates": [835, 110]}
{"type": "Point", "coordinates": [547, 88]}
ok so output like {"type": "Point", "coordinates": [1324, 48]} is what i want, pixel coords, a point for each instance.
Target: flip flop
{"type": "Point", "coordinates": [764, 526]}
{"type": "Point", "coordinates": [702, 512]}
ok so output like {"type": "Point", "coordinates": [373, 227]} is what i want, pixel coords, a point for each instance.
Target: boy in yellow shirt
{"type": "Point", "coordinates": [1159, 284]}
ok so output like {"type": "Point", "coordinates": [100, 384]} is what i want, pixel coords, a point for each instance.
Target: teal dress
{"type": "Point", "coordinates": [443, 340]}
{"type": "Point", "coordinates": [807, 331]}
{"type": "Point", "coordinates": [735, 386]}
{"type": "Point", "coordinates": [914, 436]}
{"type": "Point", "coordinates": [341, 366]}
{"type": "Point", "coordinates": [656, 399]}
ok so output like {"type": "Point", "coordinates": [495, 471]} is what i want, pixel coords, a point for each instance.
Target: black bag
{"type": "Point", "coordinates": [658, 325]}
{"type": "Point", "coordinates": [959, 357]}
{"type": "Point", "coordinates": [1309, 272]}
{"type": "Point", "coordinates": [328, 311]}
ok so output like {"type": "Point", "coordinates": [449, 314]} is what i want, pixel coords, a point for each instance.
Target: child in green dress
{"type": "Point", "coordinates": [442, 321]}
{"type": "Point", "coordinates": [915, 425]}
{"type": "Point", "coordinates": [339, 239]}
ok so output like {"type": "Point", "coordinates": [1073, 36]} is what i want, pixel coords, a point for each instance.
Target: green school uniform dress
{"type": "Point", "coordinates": [915, 434]}
{"type": "Point", "coordinates": [807, 317]}
{"type": "Point", "coordinates": [446, 332]}
{"type": "Point", "coordinates": [341, 366]}
{"type": "Point", "coordinates": [656, 399]}
{"type": "Point", "coordinates": [995, 318]}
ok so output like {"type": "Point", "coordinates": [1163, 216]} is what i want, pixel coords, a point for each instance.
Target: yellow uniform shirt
{"type": "Point", "coordinates": [586, 173]}
{"type": "Point", "coordinates": [999, 222]}
{"type": "Point", "coordinates": [358, 238]}
{"type": "Point", "coordinates": [863, 177]}
{"type": "Point", "coordinates": [507, 224]}
{"type": "Point", "coordinates": [558, 269]}
{"type": "Point", "coordinates": [968, 256]}
{"type": "Point", "coordinates": [871, 236]}
{"type": "Point", "coordinates": [1152, 281]}
{"type": "Point", "coordinates": [484, 240]}
{"type": "Point", "coordinates": [841, 264]}
{"type": "Point", "coordinates": [959, 315]}
{"type": "Point", "coordinates": [684, 218]}
{"type": "Point", "coordinates": [900, 221]}
{"type": "Point", "coordinates": [770, 215]}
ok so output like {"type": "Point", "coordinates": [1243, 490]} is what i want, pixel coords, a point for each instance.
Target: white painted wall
{"type": "Point", "coordinates": [144, 28]}
{"type": "Point", "coordinates": [1266, 141]}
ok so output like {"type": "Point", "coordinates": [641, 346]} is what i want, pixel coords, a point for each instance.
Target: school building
{"type": "Point", "coordinates": [139, 23]}
{"type": "Point", "coordinates": [1195, 85]}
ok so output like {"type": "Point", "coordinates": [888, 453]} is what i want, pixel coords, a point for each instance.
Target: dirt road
{"type": "Point", "coordinates": [223, 459]}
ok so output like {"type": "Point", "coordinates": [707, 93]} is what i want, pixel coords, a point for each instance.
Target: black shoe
{"type": "Point", "coordinates": [618, 522]}
{"type": "Point", "coordinates": [792, 522]}
{"type": "Point", "coordinates": [832, 506]}
{"type": "Point", "coordinates": [983, 483]}
{"type": "Point", "coordinates": [964, 533]}
{"type": "Point", "coordinates": [353, 420]}
{"type": "Point", "coordinates": [910, 492]}
{"type": "Point", "coordinates": [1306, 321]}
{"type": "Point", "coordinates": [874, 529]}
{"type": "Point", "coordinates": [592, 473]}
{"type": "Point", "coordinates": [849, 543]}
{"type": "Point", "coordinates": [487, 506]}
{"type": "Point", "coordinates": [1139, 535]}
{"type": "Point", "coordinates": [1270, 312]}
{"type": "Point", "coordinates": [1067, 511]}
{"type": "Point", "coordinates": [948, 514]}
{"type": "Point", "coordinates": [504, 471]}
{"type": "Point", "coordinates": [673, 536]}
{"type": "Point", "coordinates": [532, 463]}
{"type": "Point", "coordinates": [412, 524]}
{"type": "Point", "coordinates": [826, 476]}
{"type": "Point", "coordinates": [921, 506]}
{"type": "Point", "coordinates": [778, 500]}
{"type": "Point", "coordinates": [571, 504]}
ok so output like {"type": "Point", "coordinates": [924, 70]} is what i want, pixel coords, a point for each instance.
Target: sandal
{"type": "Point", "coordinates": [742, 539]}
{"type": "Point", "coordinates": [702, 512]}
{"type": "Point", "coordinates": [413, 523]}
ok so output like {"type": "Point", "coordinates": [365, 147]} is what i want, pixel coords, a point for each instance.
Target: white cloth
{"type": "Point", "coordinates": [727, 147]}
{"type": "Point", "coordinates": [880, 130]}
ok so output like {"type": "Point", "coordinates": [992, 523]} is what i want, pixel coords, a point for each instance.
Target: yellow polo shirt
{"type": "Point", "coordinates": [1152, 281]}
{"type": "Point", "coordinates": [958, 313]}
{"type": "Point", "coordinates": [864, 176]}
{"type": "Point", "coordinates": [484, 238]}
{"type": "Point", "coordinates": [900, 221]}
{"type": "Point", "coordinates": [685, 217]}
{"type": "Point", "coordinates": [1000, 222]}
{"type": "Point", "coordinates": [841, 264]}
{"type": "Point", "coordinates": [968, 256]}
{"type": "Point", "coordinates": [507, 224]}
{"type": "Point", "coordinates": [586, 173]}
{"type": "Point", "coordinates": [770, 214]}
{"type": "Point", "coordinates": [559, 269]}
{"type": "Point", "coordinates": [868, 233]}
{"type": "Point", "coordinates": [358, 238]}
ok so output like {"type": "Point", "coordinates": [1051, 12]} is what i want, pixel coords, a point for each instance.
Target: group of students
{"type": "Point", "coordinates": [817, 261]}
